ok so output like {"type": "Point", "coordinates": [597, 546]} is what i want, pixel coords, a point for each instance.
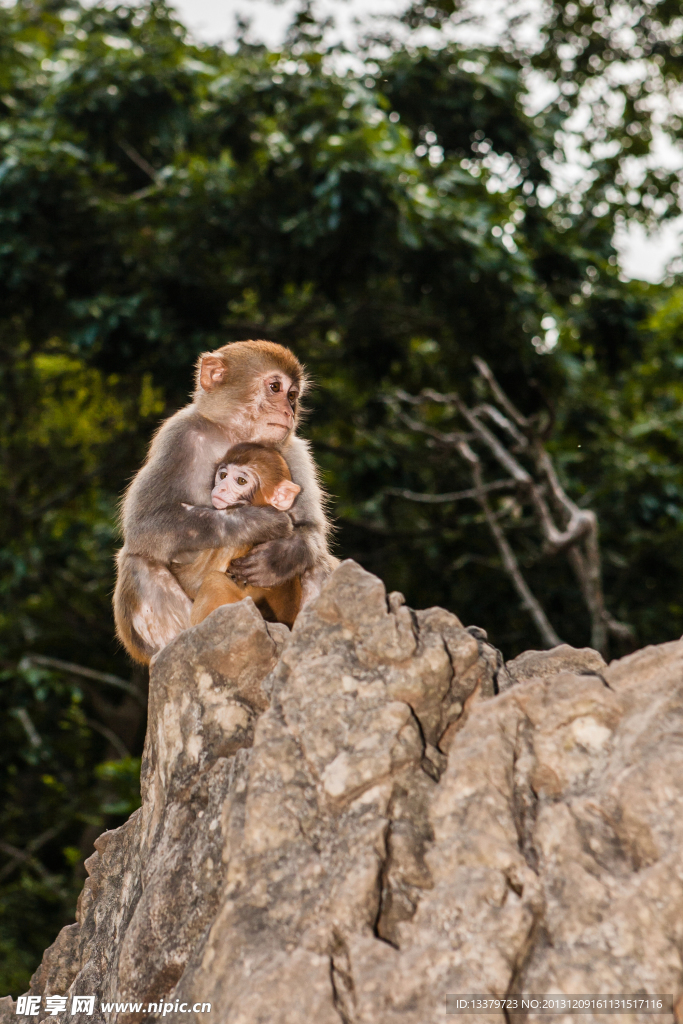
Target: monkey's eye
{"type": "Point", "coordinates": [276, 386]}
{"type": "Point", "coordinates": [242, 480]}
{"type": "Point", "coordinates": [222, 475]}
{"type": "Point", "coordinates": [292, 396]}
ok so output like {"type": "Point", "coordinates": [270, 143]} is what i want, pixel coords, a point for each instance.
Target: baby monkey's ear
{"type": "Point", "coordinates": [283, 495]}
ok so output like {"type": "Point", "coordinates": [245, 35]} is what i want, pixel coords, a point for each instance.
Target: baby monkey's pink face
{"type": "Point", "coordinates": [241, 485]}
{"type": "Point", "coordinates": [234, 485]}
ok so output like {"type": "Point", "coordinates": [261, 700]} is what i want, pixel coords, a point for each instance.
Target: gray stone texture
{"type": "Point", "coordinates": [344, 824]}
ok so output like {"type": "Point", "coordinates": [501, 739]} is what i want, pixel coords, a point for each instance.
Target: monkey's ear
{"type": "Point", "coordinates": [212, 372]}
{"type": "Point", "coordinates": [283, 495]}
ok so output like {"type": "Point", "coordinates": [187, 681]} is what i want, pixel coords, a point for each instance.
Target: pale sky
{"type": "Point", "coordinates": [641, 256]}
{"type": "Point", "coordinates": [213, 20]}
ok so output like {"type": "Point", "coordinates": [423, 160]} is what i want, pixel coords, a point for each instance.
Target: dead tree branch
{"type": "Point", "coordinates": [139, 160]}
{"type": "Point", "coordinates": [18, 856]}
{"type": "Point", "coordinates": [118, 744]}
{"type": "Point", "coordinates": [529, 602]}
{"type": "Point", "coordinates": [439, 499]}
{"type": "Point", "coordinates": [87, 673]}
{"type": "Point", "coordinates": [564, 527]}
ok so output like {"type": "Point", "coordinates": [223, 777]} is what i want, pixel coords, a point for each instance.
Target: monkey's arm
{"type": "Point", "coordinates": [167, 509]}
{"type": "Point", "coordinates": [185, 528]}
{"type": "Point", "coordinates": [306, 551]}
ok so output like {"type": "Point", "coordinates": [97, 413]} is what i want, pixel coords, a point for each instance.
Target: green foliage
{"type": "Point", "coordinates": [124, 779]}
{"type": "Point", "coordinates": [159, 198]}
{"type": "Point", "coordinates": [47, 795]}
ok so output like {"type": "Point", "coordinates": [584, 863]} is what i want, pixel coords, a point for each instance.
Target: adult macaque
{"type": "Point", "coordinates": [250, 474]}
{"type": "Point", "coordinates": [245, 391]}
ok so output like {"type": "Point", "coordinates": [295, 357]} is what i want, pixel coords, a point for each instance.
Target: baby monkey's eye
{"type": "Point", "coordinates": [242, 480]}
{"type": "Point", "coordinates": [222, 475]}
{"type": "Point", "coordinates": [276, 386]}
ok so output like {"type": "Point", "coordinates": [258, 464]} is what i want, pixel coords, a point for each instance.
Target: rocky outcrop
{"type": "Point", "coordinates": [347, 823]}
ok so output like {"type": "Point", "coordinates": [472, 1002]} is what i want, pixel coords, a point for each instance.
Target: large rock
{"type": "Point", "coordinates": [348, 823]}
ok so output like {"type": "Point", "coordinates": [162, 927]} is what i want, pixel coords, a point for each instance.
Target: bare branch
{"type": "Point", "coordinates": [587, 569]}
{"type": "Point", "coordinates": [503, 422]}
{"type": "Point", "coordinates": [26, 856]}
{"type": "Point", "coordinates": [559, 494]}
{"type": "Point", "coordinates": [437, 499]}
{"type": "Point", "coordinates": [21, 857]}
{"type": "Point", "coordinates": [558, 540]}
{"type": "Point", "coordinates": [548, 635]}
{"type": "Point", "coordinates": [577, 530]}
{"type": "Point", "coordinates": [87, 673]}
{"type": "Point", "coordinates": [452, 398]}
{"type": "Point", "coordinates": [141, 193]}
{"type": "Point", "coordinates": [108, 734]}
{"type": "Point", "coordinates": [499, 395]}
{"type": "Point", "coordinates": [140, 161]}
{"type": "Point", "coordinates": [621, 630]}
{"type": "Point", "coordinates": [29, 728]}
{"type": "Point", "coordinates": [421, 428]}
{"type": "Point", "coordinates": [432, 396]}
{"type": "Point", "coordinates": [583, 564]}
{"type": "Point", "coordinates": [507, 461]}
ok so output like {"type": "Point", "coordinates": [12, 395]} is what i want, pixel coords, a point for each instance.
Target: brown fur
{"type": "Point", "coordinates": [243, 360]}
{"type": "Point", "coordinates": [205, 580]}
{"type": "Point", "coordinates": [167, 515]}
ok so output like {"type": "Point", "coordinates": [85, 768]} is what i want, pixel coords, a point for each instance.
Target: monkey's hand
{"type": "Point", "coordinates": [258, 524]}
{"type": "Point", "coordinates": [273, 563]}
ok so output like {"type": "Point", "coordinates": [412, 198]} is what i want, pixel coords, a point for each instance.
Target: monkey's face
{"type": "Point", "coordinates": [274, 407]}
{"type": "Point", "coordinates": [234, 485]}
{"type": "Point", "coordinates": [253, 387]}
{"type": "Point", "coordinates": [242, 485]}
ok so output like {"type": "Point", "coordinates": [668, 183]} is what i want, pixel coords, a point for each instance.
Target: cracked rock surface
{"type": "Point", "coordinates": [347, 823]}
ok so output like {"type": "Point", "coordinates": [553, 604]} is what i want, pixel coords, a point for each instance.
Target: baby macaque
{"type": "Point", "coordinates": [250, 474]}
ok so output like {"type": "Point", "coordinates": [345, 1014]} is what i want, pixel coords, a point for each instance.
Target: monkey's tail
{"type": "Point", "coordinates": [150, 607]}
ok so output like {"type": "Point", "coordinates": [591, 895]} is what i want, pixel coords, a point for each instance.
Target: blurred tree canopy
{"type": "Point", "coordinates": [389, 222]}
